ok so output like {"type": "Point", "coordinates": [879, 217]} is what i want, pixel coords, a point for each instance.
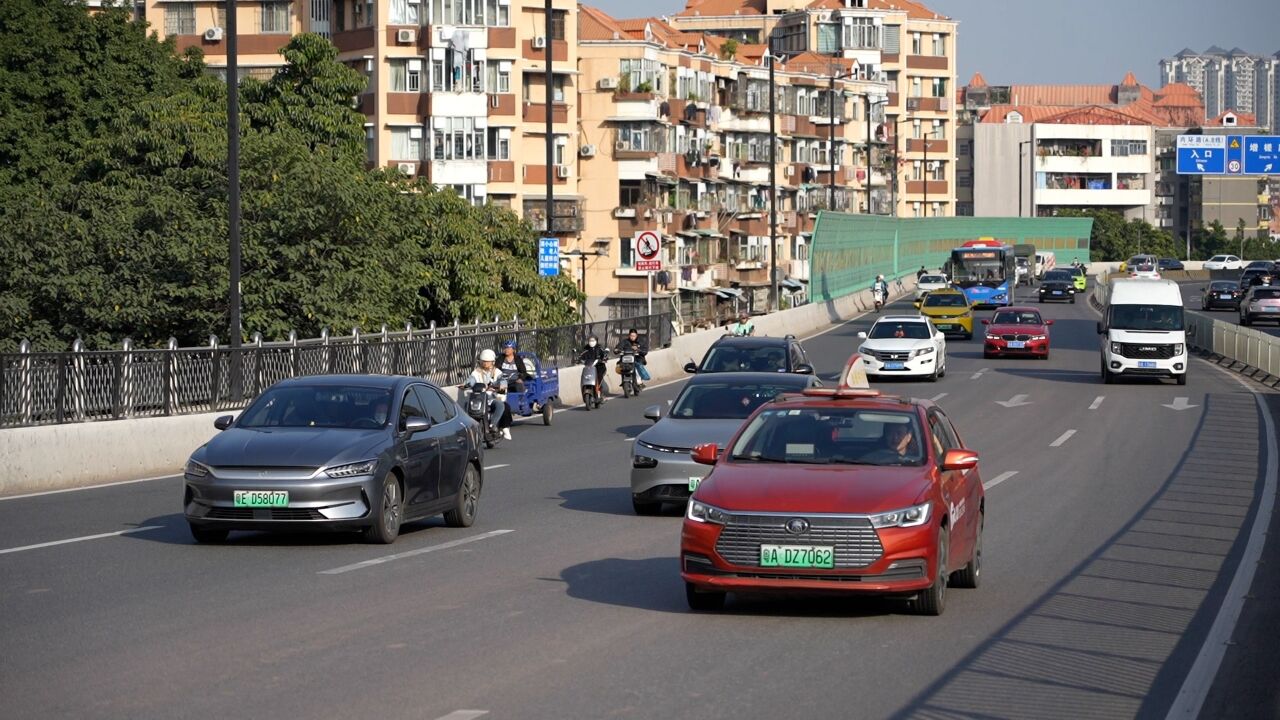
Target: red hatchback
{"type": "Point", "coordinates": [836, 491]}
{"type": "Point", "coordinates": [1016, 331]}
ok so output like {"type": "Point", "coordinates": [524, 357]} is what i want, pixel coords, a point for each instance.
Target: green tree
{"type": "Point", "coordinates": [1114, 238]}
{"type": "Point", "coordinates": [729, 49]}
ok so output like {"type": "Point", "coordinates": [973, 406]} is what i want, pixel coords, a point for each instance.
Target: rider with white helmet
{"type": "Point", "coordinates": [487, 374]}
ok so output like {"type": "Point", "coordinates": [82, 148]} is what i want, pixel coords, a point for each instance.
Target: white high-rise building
{"type": "Point", "coordinates": [1229, 80]}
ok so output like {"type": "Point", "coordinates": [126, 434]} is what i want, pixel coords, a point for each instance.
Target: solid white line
{"type": "Point", "coordinates": [411, 553]}
{"type": "Point", "coordinates": [88, 487]}
{"type": "Point", "coordinates": [1199, 679]}
{"type": "Point", "coordinates": [464, 715]}
{"type": "Point", "coordinates": [1062, 438]}
{"type": "Point", "coordinates": [495, 467]}
{"type": "Point", "coordinates": [79, 539]}
{"type": "Point", "coordinates": [998, 479]}
{"type": "Point", "coordinates": [1097, 402]}
{"type": "Point", "coordinates": [937, 397]}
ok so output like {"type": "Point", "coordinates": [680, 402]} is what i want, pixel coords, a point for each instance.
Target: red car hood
{"type": "Point", "coordinates": [1020, 329]}
{"type": "Point", "coordinates": [772, 487]}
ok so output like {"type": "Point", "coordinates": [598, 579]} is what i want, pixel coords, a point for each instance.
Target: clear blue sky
{"type": "Point", "coordinates": [1076, 41]}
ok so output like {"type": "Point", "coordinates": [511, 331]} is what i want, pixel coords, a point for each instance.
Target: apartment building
{"type": "Point", "coordinates": [1233, 80]}
{"type": "Point", "coordinates": [899, 42]}
{"type": "Point", "coordinates": [676, 140]}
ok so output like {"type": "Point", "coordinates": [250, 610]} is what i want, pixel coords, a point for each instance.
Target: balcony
{"type": "Point", "coordinates": [568, 215]}
{"type": "Point", "coordinates": [928, 104]}
{"type": "Point", "coordinates": [890, 58]}
{"type": "Point", "coordinates": [936, 188]}
{"type": "Point", "coordinates": [559, 51]}
{"type": "Point", "coordinates": [936, 148]}
{"type": "Point", "coordinates": [1096, 197]}
{"type": "Point", "coordinates": [625, 152]}
{"type": "Point", "coordinates": [502, 171]}
{"type": "Point", "coordinates": [503, 105]}
{"type": "Point", "coordinates": [644, 97]}
{"type": "Point", "coordinates": [366, 104]}
{"type": "Point", "coordinates": [502, 38]}
{"type": "Point", "coordinates": [345, 41]}
{"type": "Point", "coordinates": [537, 175]}
{"type": "Point", "coordinates": [405, 103]}
{"type": "Point", "coordinates": [928, 62]}
{"type": "Point", "coordinates": [536, 112]}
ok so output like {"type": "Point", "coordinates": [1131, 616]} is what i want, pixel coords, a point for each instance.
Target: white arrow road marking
{"type": "Point", "coordinates": [411, 553]}
{"type": "Point", "coordinates": [1097, 402]}
{"type": "Point", "coordinates": [1015, 401]}
{"type": "Point", "coordinates": [998, 479]}
{"type": "Point", "coordinates": [99, 536]}
{"type": "Point", "coordinates": [1179, 403]}
{"type": "Point", "coordinates": [1062, 438]}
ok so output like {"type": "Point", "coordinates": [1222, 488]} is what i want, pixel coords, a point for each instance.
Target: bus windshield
{"type": "Point", "coordinates": [974, 266]}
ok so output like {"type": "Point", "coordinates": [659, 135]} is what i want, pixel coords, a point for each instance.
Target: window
{"type": "Point", "coordinates": [405, 12]}
{"type": "Point", "coordinates": [459, 71]}
{"type": "Point", "coordinates": [498, 76]}
{"type": "Point", "coordinates": [939, 130]}
{"type": "Point", "coordinates": [557, 24]}
{"type": "Point", "coordinates": [938, 170]}
{"type": "Point", "coordinates": [916, 170]}
{"type": "Point", "coordinates": [462, 12]}
{"type": "Point", "coordinates": [406, 75]}
{"type": "Point", "coordinates": [457, 138]}
{"type": "Point", "coordinates": [828, 33]}
{"type": "Point", "coordinates": [370, 145]}
{"type": "Point", "coordinates": [636, 137]}
{"type": "Point", "coordinates": [915, 87]}
{"type": "Point", "coordinates": [180, 19]}
{"type": "Point", "coordinates": [938, 87]}
{"type": "Point", "coordinates": [497, 13]}
{"type": "Point", "coordinates": [434, 403]}
{"type": "Point", "coordinates": [557, 88]}
{"type": "Point", "coordinates": [275, 18]}
{"type": "Point", "coordinates": [917, 44]}
{"type": "Point", "coordinates": [630, 193]}
{"type": "Point", "coordinates": [366, 12]}
{"type": "Point", "coordinates": [626, 256]}
{"type": "Point", "coordinates": [964, 178]}
{"type": "Point", "coordinates": [637, 72]}
{"type": "Point", "coordinates": [410, 407]}
{"type": "Point", "coordinates": [861, 33]}
{"type": "Point", "coordinates": [339, 16]}
{"type": "Point", "coordinates": [406, 144]}
{"type": "Point", "coordinates": [1128, 148]}
{"type": "Point", "coordinates": [499, 143]}
{"type": "Point", "coordinates": [939, 44]}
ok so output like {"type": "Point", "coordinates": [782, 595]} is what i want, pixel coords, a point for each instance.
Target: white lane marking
{"type": "Point", "coordinates": [464, 715]}
{"type": "Point", "coordinates": [1179, 403]}
{"type": "Point", "coordinates": [937, 397]}
{"type": "Point", "coordinates": [89, 487]}
{"type": "Point", "coordinates": [99, 536]}
{"type": "Point", "coordinates": [998, 479]}
{"type": "Point", "coordinates": [978, 374]}
{"type": "Point", "coordinates": [496, 467]}
{"type": "Point", "coordinates": [1062, 438]}
{"type": "Point", "coordinates": [1015, 401]}
{"type": "Point", "coordinates": [1199, 679]}
{"type": "Point", "coordinates": [1097, 402]}
{"type": "Point", "coordinates": [412, 553]}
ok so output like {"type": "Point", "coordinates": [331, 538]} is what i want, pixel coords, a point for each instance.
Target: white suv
{"type": "Point", "coordinates": [904, 345]}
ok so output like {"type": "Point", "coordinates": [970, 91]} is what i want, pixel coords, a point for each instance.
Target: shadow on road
{"type": "Point", "coordinates": [605, 500]}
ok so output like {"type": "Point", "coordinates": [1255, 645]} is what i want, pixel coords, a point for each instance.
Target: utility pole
{"type": "Point", "coordinates": [831, 139]}
{"type": "Point", "coordinates": [233, 203]}
{"type": "Point", "coordinates": [549, 79]}
{"type": "Point", "coordinates": [773, 182]}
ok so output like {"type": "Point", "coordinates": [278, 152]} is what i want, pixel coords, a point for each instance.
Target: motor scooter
{"type": "Point", "coordinates": [480, 408]}
{"type": "Point", "coordinates": [627, 371]}
{"type": "Point", "coordinates": [591, 394]}
{"type": "Point", "coordinates": [877, 295]}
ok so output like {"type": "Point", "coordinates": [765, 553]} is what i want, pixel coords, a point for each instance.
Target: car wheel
{"type": "Point", "coordinates": [1108, 377]}
{"type": "Point", "coordinates": [1245, 320]}
{"type": "Point", "coordinates": [968, 336]}
{"type": "Point", "coordinates": [703, 601]}
{"type": "Point", "coordinates": [468, 501]}
{"type": "Point", "coordinates": [1073, 299]}
{"type": "Point", "coordinates": [1182, 379]}
{"type": "Point", "coordinates": [934, 600]}
{"type": "Point", "coordinates": [547, 412]}
{"type": "Point", "coordinates": [646, 508]}
{"type": "Point", "coordinates": [970, 575]}
{"type": "Point", "coordinates": [986, 355]}
{"type": "Point", "coordinates": [208, 535]}
{"type": "Point", "coordinates": [386, 526]}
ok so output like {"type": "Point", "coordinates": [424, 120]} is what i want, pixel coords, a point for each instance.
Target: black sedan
{"type": "Point", "coordinates": [733, 353]}
{"type": "Point", "coordinates": [1058, 285]}
{"type": "Point", "coordinates": [1221, 294]}
{"type": "Point", "coordinates": [337, 452]}
{"type": "Point", "coordinates": [1165, 263]}
{"type": "Point", "coordinates": [1256, 276]}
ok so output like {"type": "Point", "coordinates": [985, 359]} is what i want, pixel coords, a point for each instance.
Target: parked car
{"type": "Point", "coordinates": [1260, 302]}
{"type": "Point", "coordinates": [709, 409]}
{"type": "Point", "coordinates": [904, 345]}
{"type": "Point", "coordinates": [1058, 285]}
{"type": "Point", "coordinates": [1164, 264]}
{"type": "Point", "coordinates": [1220, 294]}
{"type": "Point", "coordinates": [337, 452]}
{"type": "Point", "coordinates": [733, 353]}
{"type": "Point", "coordinates": [1223, 262]}
{"type": "Point", "coordinates": [1016, 331]}
{"type": "Point", "coordinates": [836, 492]}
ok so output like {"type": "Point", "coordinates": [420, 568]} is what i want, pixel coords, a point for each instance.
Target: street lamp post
{"type": "Point", "coordinates": [233, 201]}
{"type": "Point", "coordinates": [773, 182]}
{"type": "Point", "coordinates": [879, 99]}
{"type": "Point", "coordinates": [582, 284]}
{"type": "Point", "coordinates": [549, 80]}
{"type": "Point", "coordinates": [1021, 144]}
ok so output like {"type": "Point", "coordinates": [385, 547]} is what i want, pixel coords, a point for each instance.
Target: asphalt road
{"type": "Point", "coordinates": [1191, 293]}
{"type": "Point", "coordinates": [1114, 525]}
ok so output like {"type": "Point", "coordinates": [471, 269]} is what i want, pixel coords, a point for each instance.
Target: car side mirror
{"type": "Point", "coordinates": [1048, 322]}
{"type": "Point", "coordinates": [691, 368]}
{"type": "Point", "coordinates": [804, 369]}
{"type": "Point", "coordinates": [1100, 330]}
{"type": "Point", "coordinates": [986, 322]}
{"type": "Point", "coordinates": [862, 336]}
{"type": "Point", "coordinates": [414, 424]}
{"type": "Point", "coordinates": [959, 460]}
{"type": "Point", "coordinates": [706, 454]}
{"type": "Point", "coordinates": [224, 422]}
{"type": "Point", "coordinates": [653, 412]}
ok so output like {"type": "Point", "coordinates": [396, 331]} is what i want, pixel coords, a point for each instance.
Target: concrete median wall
{"type": "Point", "coordinates": [57, 457]}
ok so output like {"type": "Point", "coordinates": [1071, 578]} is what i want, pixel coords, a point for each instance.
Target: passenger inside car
{"type": "Point", "coordinates": [1017, 318]}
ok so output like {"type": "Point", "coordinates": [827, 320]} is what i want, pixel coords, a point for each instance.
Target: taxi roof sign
{"type": "Point", "coordinates": [853, 382]}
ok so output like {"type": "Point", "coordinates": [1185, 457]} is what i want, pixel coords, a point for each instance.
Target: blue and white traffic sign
{"type": "Point", "coordinates": [549, 256]}
{"type": "Point", "coordinates": [1235, 154]}
{"type": "Point", "coordinates": [1202, 154]}
{"type": "Point", "coordinates": [1262, 155]}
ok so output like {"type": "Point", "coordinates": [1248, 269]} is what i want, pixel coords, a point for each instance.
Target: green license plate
{"type": "Point", "coordinates": [261, 498]}
{"type": "Point", "coordinates": [693, 483]}
{"type": "Point", "coordinates": [798, 556]}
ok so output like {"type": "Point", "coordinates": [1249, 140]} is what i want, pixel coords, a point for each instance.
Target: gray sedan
{"type": "Point", "coordinates": [336, 452]}
{"type": "Point", "coordinates": [709, 409]}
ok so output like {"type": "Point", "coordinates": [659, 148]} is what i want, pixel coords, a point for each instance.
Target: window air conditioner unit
{"type": "Point", "coordinates": [407, 168]}
{"type": "Point", "coordinates": [587, 151]}
{"type": "Point", "coordinates": [539, 42]}
{"type": "Point", "coordinates": [213, 34]}
{"type": "Point", "coordinates": [619, 145]}
{"type": "Point", "coordinates": [608, 83]}
{"type": "Point", "coordinates": [406, 36]}
{"type": "Point", "coordinates": [562, 171]}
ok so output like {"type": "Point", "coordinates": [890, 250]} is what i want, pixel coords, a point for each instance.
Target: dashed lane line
{"type": "Point", "coordinates": [1097, 402]}
{"type": "Point", "coordinates": [497, 467]}
{"type": "Point", "coordinates": [937, 397]}
{"type": "Point", "coordinates": [99, 536]}
{"type": "Point", "coordinates": [464, 715]}
{"type": "Point", "coordinates": [998, 479]}
{"type": "Point", "coordinates": [1062, 438]}
{"type": "Point", "coordinates": [413, 553]}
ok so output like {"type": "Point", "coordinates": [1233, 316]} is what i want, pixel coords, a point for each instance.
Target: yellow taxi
{"type": "Point", "coordinates": [949, 311]}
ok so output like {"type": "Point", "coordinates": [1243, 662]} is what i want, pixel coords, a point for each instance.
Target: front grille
{"type": "Point", "coordinates": [883, 356]}
{"type": "Point", "coordinates": [1146, 352]}
{"type": "Point", "coordinates": [856, 543]}
{"type": "Point", "coordinates": [241, 513]}
{"type": "Point", "coordinates": [226, 513]}
{"type": "Point", "coordinates": [1019, 338]}
{"type": "Point", "coordinates": [295, 514]}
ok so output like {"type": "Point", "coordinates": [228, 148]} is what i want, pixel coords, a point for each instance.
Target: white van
{"type": "Point", "coordinates": [1045, 261]}
{"type": "Point", "coordinates": [1143, 331]}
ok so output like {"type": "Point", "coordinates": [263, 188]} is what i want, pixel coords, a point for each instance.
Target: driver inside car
{"type": "Point", "coordinates": [900, 441]}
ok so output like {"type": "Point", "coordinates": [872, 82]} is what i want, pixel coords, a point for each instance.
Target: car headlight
{"type": "Point", "coordinates": [356, 469]}
{"type": "Point", "coordinates": [1001, 296]}
{"type": "Point", "coordinates": [1115, 349]}
{"type": "Point", "coordinates": [195, 469]}
{"type": "Point", "coordinates": [907, 517]}
{"type": "Point", "coordinates": [704, 513]}
{"type": "Point", "coordinates": [922, 351]}
{"type": "Point", "coordinates": [1177, 348]}
{"type": "Point", "coordinates": [1038, 337]}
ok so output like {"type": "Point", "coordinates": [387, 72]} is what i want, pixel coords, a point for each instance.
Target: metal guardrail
{"type": "Point", "coordinates": [43, 388]}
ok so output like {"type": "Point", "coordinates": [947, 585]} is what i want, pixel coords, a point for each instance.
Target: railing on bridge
{"type": "Point", "coordinates": [43, 388]}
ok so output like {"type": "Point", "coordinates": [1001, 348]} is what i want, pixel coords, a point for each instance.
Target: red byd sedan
{"type": "Point", "coordinates": [1016, 331]}
{"type": "Point", "coordinates": [836, 491]}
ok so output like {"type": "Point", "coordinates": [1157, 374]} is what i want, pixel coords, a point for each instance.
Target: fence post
{"type": "Point", "coordinates": [170, 364]}
{"type": "Point", "coordinates": [382, 351]}
{"type": "Point", "coordinates": [356, 351]}
{"type": "Point", "coordinates": [24, 378]}
{"type": "Point", "coordinates": [327, 352]}
{"type": "Point", "coordinates": [407, 353]}
{"type": "Point", "coordinates": [124, 371]}
{"type": "Point", "coordinates": [77, 381]}
{"type": "Point", "coordinates": [257, 364]}
{"type": "Point", "coordinates": [432, 364]}
{"type": "Point", "coordinates": [215, 374]}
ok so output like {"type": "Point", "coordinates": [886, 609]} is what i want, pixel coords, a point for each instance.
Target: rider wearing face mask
{"type": "Point", "coordinates": [595, 353]}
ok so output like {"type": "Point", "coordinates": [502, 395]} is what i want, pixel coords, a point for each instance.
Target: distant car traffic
{"type": "Point", "coordinates": [733, 353]}
{"type": "Point", "coordinates": [1145, 271]}
{"type": "Point", "coordinates": [1138, 260]}
{"type": "Point", "coordinates": [1267, 265]}
{"type": "Point", "coordinates": [1080, 276]}
{"type": "Point", "coordinates": [1260, 302]}
{"type": "Point", "coordinates": [1016, 331]}
{"type": "Point", "coordinates": [1058, 285]}
{"type": "Point", "coordinates": [949, 311]}
{"type": "Point", "coordinates": [906, 345]}
{"type": "Point", "coordinates": [929, 283]}
{"type": "Point", "coordinates": [1221, 294]}
{"type": "Point", "coordinates": [1256, 276]}
{"type": "Point", "coordinates": [709, 409]}
{"type": "Point", "coordinates": [1223, 262]}
{"type": "Point", "coordinates": [336, 452]}
{"type": "Point", "coordinates": [1169, 264]}
{"type": "Point", "coordinates": [842, 492]}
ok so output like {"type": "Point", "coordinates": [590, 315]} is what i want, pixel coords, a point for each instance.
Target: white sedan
{"type": "Point", "coordinates": [1146, 272]}
{"type": "Point", "coordinates": [928, 283]}
{"type": "Point", "coordinates": [1223, 262]}
{"type": "Point", "coordinates": [904, 345]}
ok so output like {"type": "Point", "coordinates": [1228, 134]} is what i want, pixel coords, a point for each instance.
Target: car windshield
{"type": "Point", "coordinates": [1146, 317]}
{"type": "Point", "coordinates": [746, 359]}
{"type": "Point", "coordinates": [933, 280]}
{"type": "Point", "coordinates": [1223, 286]}
{"type": "Point", "coordinates": [906, 329]}
{"type": "Point", "coordinates": [1016, 317]}
{"type": "Point", "coordinates": [1218, 258]}
{"type": "Point", "coordinates": [1057, 276]}
{"type": "Point", "coordinates": [945, 300]}
{"type": "Point", "coordinates": [1266, 294]}
{"type": "Point", "coordinates": [320, 406]}
{"type": "Point", "coordinates": [823, 436]}
{"type": "Point", "coordinates": [727, 401]}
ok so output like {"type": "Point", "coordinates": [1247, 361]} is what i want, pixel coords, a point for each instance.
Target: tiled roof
{"type": "Point", "coordinates": [812, 62]}
{"type": "Point", "coordinates": [977, 81]}
{"type": "Point", "coordinates": [1129, 79]}
{"type": "Point", "coordinates": [595, 24]}
{"type": "Point", "coordinates": [825, 5]}
{"type": "Point", "coordinates": [1062, 94]}
{"type": "Point", "coordinates": [1242, 119]}
{"type": "Point", "coordinates": [751, 53]}
{"type": "Point", "coordinates": [913, 9]}
{"type": "Point", "coordinates": [1029, 113]}
{"type": "Point", "coordinates": [723, 7]}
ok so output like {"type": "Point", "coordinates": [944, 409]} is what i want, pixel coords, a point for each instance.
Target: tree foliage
{"type": "Point", "coordinates": [116, 211]}
{"type": "Point", "coordinates": [1115, 238]}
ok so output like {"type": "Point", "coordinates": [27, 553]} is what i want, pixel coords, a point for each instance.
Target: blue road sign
{"type": "Point", "coordinates": [1262, 155]}
{"type": "Point", "coordinates": [1202, 154]}
{"type": "Point", "coordinates": [549, 257]}
{"type": "Point", "coordinates": [1235, 154]}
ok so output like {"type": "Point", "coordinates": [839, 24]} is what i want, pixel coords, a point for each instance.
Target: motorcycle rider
{"type": "Point", "coordinates": [921, 273]}
{"type": "Point", "coordinates": [635, 345]}
{"type": "Point", "coordinates": [594, 353]}
{"type": "Point", "coordinates": [880, 290]}
{"type": "Point", "coordinates": [744, 327]}
{"type": "Point", "coordinates": [513, 367]}
{"type": "Point", "coordinates": [486, 373]}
